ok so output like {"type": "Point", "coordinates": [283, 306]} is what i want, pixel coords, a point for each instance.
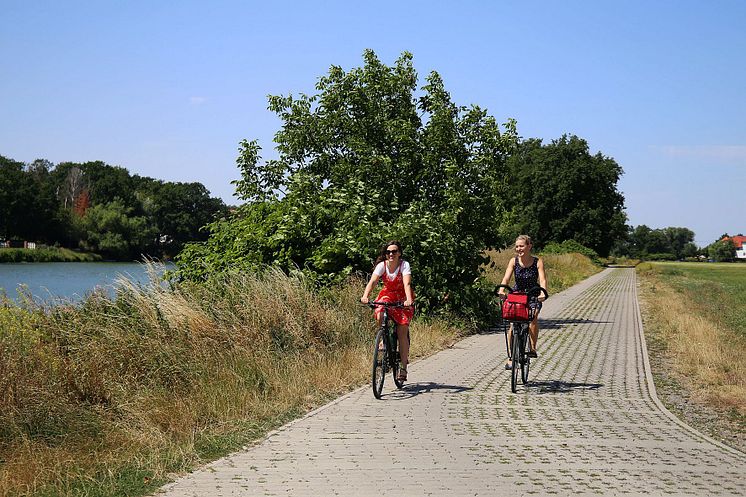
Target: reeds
{"type": "Point", "coordinates": [112, 396]}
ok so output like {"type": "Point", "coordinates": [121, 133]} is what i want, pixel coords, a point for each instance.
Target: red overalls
{"type": "Point", "coordinates": [393, 291]}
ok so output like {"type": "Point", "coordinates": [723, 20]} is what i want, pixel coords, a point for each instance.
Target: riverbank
{"type": "Point", "coordinates": [48, 254]}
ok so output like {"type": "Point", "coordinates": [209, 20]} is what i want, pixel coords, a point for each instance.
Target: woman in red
{"type": "Point", "coordinates": [397, 287]}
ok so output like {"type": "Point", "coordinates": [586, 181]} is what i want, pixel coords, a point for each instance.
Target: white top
{"type": "Point", "coordinates": [383, 266]}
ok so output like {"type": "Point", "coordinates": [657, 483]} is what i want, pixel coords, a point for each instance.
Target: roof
{"type": "Point", "coordinates": [738, 241]}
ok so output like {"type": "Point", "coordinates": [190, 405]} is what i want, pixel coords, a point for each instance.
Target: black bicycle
{"type": "Point", "coordinates": [385, 353]}
{"type": "Point", "coordinates": [517, 346]}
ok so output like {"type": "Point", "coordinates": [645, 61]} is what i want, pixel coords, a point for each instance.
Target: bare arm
{"type": "Point", "coordinates": [407, 279]}
{"type": "Point", "coordinates": [542, 277]}
{"type": "Point", "coordinates": [366, 294]}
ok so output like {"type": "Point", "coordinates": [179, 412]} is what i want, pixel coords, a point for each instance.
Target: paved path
{"type": "Point", "coordinates": [586, 424]}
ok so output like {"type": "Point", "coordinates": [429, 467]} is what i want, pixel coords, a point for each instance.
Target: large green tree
{"type": "Point", "coordinates": [368, 158]}
{"type": "Point", "coordinates": [560, 191]}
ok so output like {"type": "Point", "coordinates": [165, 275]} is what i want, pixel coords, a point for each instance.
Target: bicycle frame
{"type": "Point", "coordinates": [388, 349]}
{"type": "Point", "coordinates": [520, 337]}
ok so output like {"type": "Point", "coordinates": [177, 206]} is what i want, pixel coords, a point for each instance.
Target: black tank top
{"type": "Point", "coordinates": [526, 277]}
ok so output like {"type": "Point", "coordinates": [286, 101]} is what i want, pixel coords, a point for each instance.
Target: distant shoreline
{"type": "Point", "coordinates": [49, 254]}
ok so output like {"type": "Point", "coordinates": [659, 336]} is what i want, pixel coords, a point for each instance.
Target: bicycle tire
{"type": "Point", "coordinates": [515, 358]}
{"type": "Point", "coordinates": [395, 359]}
{"type": "Point", "coordinates": [380, 362]}
{"type": "Point", "coordinates": [525, 359]}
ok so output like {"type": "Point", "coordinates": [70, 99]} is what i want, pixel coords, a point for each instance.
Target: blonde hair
{"type": "Point", "coordinates": [524, 238]}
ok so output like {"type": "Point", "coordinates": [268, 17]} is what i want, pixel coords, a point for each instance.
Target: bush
{"type": "Point", "coordinates": [571, 247]}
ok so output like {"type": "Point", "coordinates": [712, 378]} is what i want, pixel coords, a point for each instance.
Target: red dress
{"type": "Point", "coordinates": [393, 291]}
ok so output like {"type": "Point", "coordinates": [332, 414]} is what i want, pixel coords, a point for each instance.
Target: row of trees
{"type": "Point", "coordinates": [371, 157]}
{"type": "Point", "coordinates": [101, 208]}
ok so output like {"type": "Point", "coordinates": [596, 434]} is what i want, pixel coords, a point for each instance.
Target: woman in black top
{"type": "Point", "coordinates": [529, 272]}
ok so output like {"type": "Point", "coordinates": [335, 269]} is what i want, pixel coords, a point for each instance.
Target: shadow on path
{"type": "Point", "coordinates": [544, 324]}
{"type": "Point", "coordinates": [559, 386]}
{"type": "Point", "coordinates": [413, 389]}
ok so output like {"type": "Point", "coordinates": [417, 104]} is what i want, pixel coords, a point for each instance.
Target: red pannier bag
{"type": "Point", "coordinates": [515, 307]}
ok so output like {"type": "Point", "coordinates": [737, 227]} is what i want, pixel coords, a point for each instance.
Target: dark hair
{"type": "Point", "coordinates": [382, 252]}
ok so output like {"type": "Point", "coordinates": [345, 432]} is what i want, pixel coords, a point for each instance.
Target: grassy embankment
{"type": "Point", "coordinates": [48, 254]}
{"type": "Point", "coordinates": [113, 397]}
{"type": "Point", "coordinates": [695, 325]}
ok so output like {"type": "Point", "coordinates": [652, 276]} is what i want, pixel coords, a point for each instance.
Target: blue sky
{"type": "Point", "coordinates": [168, 89]}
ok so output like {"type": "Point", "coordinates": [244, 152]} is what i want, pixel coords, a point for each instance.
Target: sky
{"type": "Point", "coordinates": [168, 89]}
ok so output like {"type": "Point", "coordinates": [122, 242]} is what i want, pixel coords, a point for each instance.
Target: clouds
{"type": "Point", "coordinates": [197, 101]}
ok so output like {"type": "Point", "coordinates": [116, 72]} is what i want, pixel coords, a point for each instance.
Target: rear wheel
{"type": "Point", "coordinates": [380, 362]}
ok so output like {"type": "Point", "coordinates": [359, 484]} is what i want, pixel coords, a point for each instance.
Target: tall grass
{"type": "Point", "coordinates": [112, 396]}
{"type": "Point", "coordinates": [562, 270]}
{"type": "Point", "coordinates": [696, 314]}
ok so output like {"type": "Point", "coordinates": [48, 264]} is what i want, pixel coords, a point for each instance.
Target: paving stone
{"type": "Point", "coordinates": [587, 423]}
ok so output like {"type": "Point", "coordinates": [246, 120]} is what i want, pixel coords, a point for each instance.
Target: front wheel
{"type": "Point", "coordinates": [380, 362]}
{"type": "Point", "coordinates": [526, 360]}
{"type": "Point", "coordinates": [515, 355]}
{"type": "Point", "coordinates": [395, 359]}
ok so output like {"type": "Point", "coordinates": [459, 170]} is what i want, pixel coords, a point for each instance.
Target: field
{"type": "Point", "coordinates": [695, 323]}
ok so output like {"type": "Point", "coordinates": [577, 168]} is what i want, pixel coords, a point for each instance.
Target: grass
{"type": "Point", "coordinates": [114, 396]}
{"type": "Point", "coordinates": [562, 270]}
{"type": "Point", "coordinates": [695, 318]}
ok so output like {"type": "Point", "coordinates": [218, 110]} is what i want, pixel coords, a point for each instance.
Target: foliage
{"type": "Point", "coordinates": [722, 251]}
{"type": "Point", "coordinates": [561, 192]}
{"type": "Point", "coordinates": [111, 230]}
{"type": "Point", "coordinates": [362, 161]}
{"type": "Point", "coordinates": [670, 243]}
{"type": "Point", "coordinates": [49, 204]}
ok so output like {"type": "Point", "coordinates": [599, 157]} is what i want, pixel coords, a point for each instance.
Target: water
{"type": "Point", "coordinates": [54, 282]}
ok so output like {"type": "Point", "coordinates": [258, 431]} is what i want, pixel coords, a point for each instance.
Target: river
{"type": "Point", "coordinates": [54, 282]}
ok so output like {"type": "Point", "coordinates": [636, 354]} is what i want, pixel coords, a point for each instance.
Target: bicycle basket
{"type": "Point", "coordinates": [516, 308]}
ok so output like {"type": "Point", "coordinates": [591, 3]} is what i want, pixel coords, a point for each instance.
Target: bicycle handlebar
{"type": "Point", "coordinates": [373, 303]}
{"type": "Point", "coordinates": [533, 291]}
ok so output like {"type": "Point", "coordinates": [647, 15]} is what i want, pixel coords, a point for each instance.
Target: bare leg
{"type": "Point", "coordinates": [402, 332]}
{"type": "Point", "coordinates": [533, 332]}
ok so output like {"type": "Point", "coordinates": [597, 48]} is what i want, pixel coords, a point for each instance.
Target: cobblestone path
{"type": "Point", "coordinates": [586, 423]}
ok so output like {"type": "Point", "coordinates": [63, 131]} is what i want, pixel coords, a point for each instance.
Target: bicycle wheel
{"type": "Point", "coordinates": [525, 359]}
{"type": "Point", "coordinates": [380, 362]}
{"type": "Point", "coordinates": [395, 360]}
{"type": "Point", "coordinates": [515, 358]}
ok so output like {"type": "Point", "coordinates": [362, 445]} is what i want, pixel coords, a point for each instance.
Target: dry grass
{"type": "Point", "coordinates": [114, 396]}
{"type": "Point", "coordinates": [562, 271]}
{"type": "Point", "coordinates": [703, 349]}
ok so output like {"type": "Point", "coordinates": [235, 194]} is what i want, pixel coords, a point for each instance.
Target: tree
{"type": "Point", "coordinates": [722, 250]}
{"type": "Point", "coordinates": [678, 240]}
{"type": "Point", "coordinates": [362, 161]}
{"type": "Point", "coordinates": [179, 211]}
{"type": "Point", "coordinates": [111, 230]}
{"type": "Point", "coordinates": [562, 192]}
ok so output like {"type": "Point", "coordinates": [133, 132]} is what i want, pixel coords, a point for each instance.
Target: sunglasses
{"type": "Point", "coordinates": [392, 252]}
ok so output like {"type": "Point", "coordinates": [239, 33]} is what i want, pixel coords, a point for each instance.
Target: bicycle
{"type": "Point", "coordinates": [385, 353]}
{"type": "Point", "coordinates": [519, 338]}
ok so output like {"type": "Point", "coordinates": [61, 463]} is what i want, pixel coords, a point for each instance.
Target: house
{"type": "Point", "coordinates": [740, 242]}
